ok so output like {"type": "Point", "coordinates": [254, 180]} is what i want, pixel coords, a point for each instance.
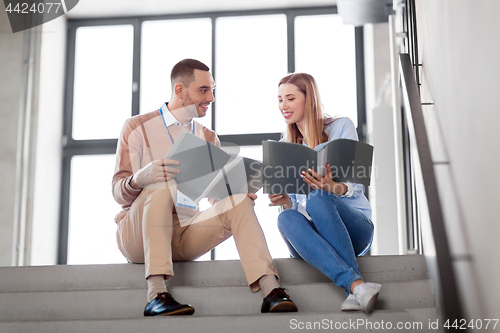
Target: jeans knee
{"type": "Point", "coordinates": [319, 201]}
{"type": "Point", "coordinates": [318, 198]}
{"type": "Point", "coordinates": [282, 221]}
{"type": "Point", "coordinates": [289, 221]}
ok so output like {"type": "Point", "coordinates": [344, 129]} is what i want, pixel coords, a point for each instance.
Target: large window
{"type": "Point", "coordinates": [332, 61]}
{"type": "Point", "coordinates": [251, 58]}
{"type": "Point", "coordinates": [118, 68]}
{"type": "Point", "coordinates": [103, 81]}
{"type": "Point", "coordinates": [161, 50]}
{"type": "Point", "coordinates": [92, 235]}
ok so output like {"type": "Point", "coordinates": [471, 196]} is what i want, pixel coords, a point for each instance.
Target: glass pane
{"type": "Point", "coordinates": [268, 217]}
{"type": "Point", "coordinates": [251, 59]}
{"type": "Point", "coordinates": [102, 98]}
{"type": "Point", "coordinates": [325, 48]}
{"type": "Point", "coordinates": [92, 229]}
{"type": "Point", "coordinates": [165, 43]}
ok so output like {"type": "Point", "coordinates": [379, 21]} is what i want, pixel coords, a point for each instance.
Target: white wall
{"type": "Point", "coordinates": [459, 48]}
{"type": "Point", "coordinates": [11, 54]}
{"type": "Point", "coordinates": [112, 8]}
{"type": "Point", "coordinates": [30, 148]}
{"type": "Point", "coordinates": [18, 111]}
{"type": "Point", "coordinates": [381, 135]}
{"type": "Point", "coordinates": [49, 144]}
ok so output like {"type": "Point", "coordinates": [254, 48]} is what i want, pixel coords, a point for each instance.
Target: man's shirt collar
{"type": "Point", "coordinates": [169, 117]}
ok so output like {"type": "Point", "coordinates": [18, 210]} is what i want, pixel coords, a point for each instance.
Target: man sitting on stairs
{"type": "Point", "coordinates": [158, 225]}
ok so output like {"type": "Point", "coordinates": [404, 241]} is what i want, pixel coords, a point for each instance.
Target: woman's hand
{"type": "Point", "coordinates": [280, 200]}
{"type": "Point", "coordinates": [315, 181]}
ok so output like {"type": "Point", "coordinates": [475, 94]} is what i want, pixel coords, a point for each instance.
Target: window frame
{"type": "Point", "coordinates": [73, 147]}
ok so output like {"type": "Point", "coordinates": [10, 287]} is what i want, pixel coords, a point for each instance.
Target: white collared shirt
{"type": "Point", "coordinates": [170, 119]}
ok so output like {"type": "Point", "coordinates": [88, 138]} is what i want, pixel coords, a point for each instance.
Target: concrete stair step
{"type": "Point", "coordinates": [111, 298]}
{"type": "Point", "coordinates": [228, 300]}
{"type": "Point", "coordinates": [201, 273]}
{"type": "Point", "coordinates": [380, 321]}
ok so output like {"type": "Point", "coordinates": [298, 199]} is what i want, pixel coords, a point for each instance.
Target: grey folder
{"type": "Point", "coordinates": [350, 161]}
{"type": "Point", "coordinates": [206, 171]}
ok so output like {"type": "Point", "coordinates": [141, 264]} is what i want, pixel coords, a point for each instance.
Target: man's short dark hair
{"type": "Point", "coordinates": [183, 71]}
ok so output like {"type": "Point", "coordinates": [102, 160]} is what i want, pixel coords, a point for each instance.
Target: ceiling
{"type": "Point", "coordinates": [117, 8]}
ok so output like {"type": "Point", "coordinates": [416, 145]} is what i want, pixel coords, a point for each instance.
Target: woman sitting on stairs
{"type": "Point", "coordinates": [331, 226]}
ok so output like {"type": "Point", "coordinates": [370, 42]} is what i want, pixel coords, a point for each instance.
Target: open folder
{"type": "Point", "coordinates": [350, 161]}
{"type": "Point", "coordinates": [207, 171]}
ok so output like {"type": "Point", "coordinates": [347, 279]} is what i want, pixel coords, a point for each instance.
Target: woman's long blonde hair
{"type": "Point", "coordinates": [314, 120]}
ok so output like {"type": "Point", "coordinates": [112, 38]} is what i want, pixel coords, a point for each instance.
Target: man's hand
{"type": "Point", "coordinates": [155, 172]}
{"type": "Point", "coordinates": [252, 196]}
{"type": "Point", "coordinates": [280, 200]}
{"type": "Point", "coordinates": [315, 181]}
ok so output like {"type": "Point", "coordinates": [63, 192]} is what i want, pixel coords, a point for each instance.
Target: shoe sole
{"type": "Point", "coordinates": [285, 306]}
{"type": "Point", "coordinates": [351, 308]}
{"type": "Point", "coordinates": [181, 312]}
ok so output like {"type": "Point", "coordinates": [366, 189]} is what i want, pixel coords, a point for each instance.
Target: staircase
{"type": "Point", "coordinates": [111, 298]}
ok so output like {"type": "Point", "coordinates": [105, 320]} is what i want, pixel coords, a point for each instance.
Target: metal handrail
{"type": "Point", "coordinates": [450, 301]}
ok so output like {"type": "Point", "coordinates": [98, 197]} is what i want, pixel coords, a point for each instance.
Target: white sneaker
{"type": "Point", "coordinates": [366, 294]}
{"type": "Point", "coordinates": [350, 304]}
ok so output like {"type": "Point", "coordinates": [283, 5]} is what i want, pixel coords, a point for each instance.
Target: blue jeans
{"type": "Point", "coordinates": [331, 241]}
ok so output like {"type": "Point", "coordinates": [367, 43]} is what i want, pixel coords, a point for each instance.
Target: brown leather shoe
{"type": "Point", "coordinates": [165, 305]}
{"type": "Point", "coordinates": [278, 301]}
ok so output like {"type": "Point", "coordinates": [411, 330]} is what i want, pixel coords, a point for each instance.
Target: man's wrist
{"type": "Point", "coordinates": [133, 185]}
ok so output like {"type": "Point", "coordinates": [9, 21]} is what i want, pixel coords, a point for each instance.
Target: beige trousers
{"type": "Point", "coordinates": [150, 233]}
